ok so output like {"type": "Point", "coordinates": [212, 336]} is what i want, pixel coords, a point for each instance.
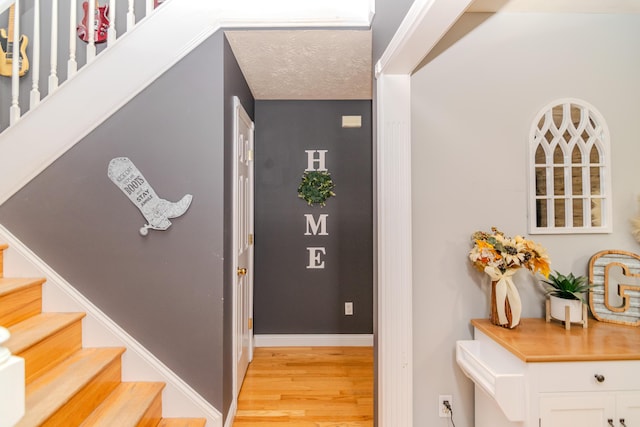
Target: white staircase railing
{"type": "Point", "coordinates": [20, 37]}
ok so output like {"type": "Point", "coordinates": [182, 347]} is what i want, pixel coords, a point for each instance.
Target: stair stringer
{"type": "Point", "coordinates": [134, 61]}
{"type": "Point", "coordinates": [98, 330]}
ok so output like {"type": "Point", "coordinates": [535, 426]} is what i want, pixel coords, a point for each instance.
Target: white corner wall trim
{"type": "Point", "coordinates": [424, 25]}
{"type": "Point", "coordinates": [138, 364]}
{"type": "Point", "coordinates": [314, 340]}
{"type": "Point", "coordinates": [395, 345]}
{"type": "Point", "coordinates": [46, 132]}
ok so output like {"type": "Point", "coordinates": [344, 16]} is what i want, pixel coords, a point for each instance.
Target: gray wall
{"type": "Point", "coordinates": [289, 297]}
{"type": "Point", "coordinates": [472, 109]}
{"type": "Point", "coordinates": [389, 15]}
{"type": "Point", "coordinates": [165, 289]}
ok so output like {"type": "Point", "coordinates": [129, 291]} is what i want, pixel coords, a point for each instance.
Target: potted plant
{"type": "Point", "coordinates": [566, 291]}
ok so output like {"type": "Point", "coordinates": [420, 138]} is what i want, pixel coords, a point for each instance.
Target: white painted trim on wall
{"type": "Point", "coordinates": [46, 132]}
{"type": "Point", "coordinates": [395, 346]}
{"type": "Point", "coordinates": [425, 24]}
{"type": "Point", "coordinates": [314, 340]}
{"type": "Point", "coordinates": [98, 330]}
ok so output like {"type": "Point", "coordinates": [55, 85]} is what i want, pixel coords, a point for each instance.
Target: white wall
{"type": "Point", "coordinates": [473, 105]}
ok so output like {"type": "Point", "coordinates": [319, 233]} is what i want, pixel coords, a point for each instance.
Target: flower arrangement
{"type": "Point", "coordinates": [497, 251]}
{"type": "Point", "coordinates": [500, 257]}
{"type": "Point", "coordinates": [316, 187]}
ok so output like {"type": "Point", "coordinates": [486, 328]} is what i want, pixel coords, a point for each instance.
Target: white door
{"type": "Point", "coordinates": [243, 243]}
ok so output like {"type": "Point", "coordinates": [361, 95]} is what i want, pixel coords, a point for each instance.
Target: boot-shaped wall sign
{"type": "Point", "coordinates": [155, 210]}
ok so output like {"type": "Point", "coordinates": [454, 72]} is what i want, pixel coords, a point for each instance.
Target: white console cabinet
{"type": "Point", "coordinates": [590, 409]}
{"type": "Point", "coordinates": [540, 375]}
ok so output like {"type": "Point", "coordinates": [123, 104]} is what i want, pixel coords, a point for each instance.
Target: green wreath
{"type": "Point", "coordinates": [316, 187]}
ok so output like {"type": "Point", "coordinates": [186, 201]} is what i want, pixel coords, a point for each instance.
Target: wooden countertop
{"type": "Point", "coordinates": [534, 340]}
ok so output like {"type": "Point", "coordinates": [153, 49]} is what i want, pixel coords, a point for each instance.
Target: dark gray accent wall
{"type": "Point", "coordinates": [234, 85]}
{"type": "Point", "coordinates": [289, 298]}
{"type": "Point", "coordinates": [165, 289]}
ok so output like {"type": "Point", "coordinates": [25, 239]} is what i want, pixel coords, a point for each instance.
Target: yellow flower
{"type": "Point", "coordinates": [542, 266]}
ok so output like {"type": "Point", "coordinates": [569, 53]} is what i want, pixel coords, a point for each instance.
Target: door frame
{"type": "Point", "coordinates": [239, 110]}
{"type": "Point", "coordinates": [426, 22]}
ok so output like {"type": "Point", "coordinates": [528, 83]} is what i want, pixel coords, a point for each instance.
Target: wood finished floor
{"type": "Point", "coordinates": [308, 387]}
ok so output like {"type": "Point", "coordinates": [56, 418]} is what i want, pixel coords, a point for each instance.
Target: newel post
{"type": "Point", "coordinates": [12, 388]}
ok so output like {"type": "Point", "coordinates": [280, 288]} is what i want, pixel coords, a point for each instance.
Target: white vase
{"type": "Point", "coordinates": [557, 308]}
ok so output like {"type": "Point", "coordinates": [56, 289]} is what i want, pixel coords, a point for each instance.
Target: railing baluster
{"type": "Point", "coordinates": [53, 73]}
{"type": "Point", "coordinates": [91, 28]}
{"type": "Point", "coordinates": [14, 110]}
{"type": "Point", "coordinates": [91, 12]}
{"type": "Point", "coordinates": [111, 35]}
{"type": "Point", "coordinates": [72, 63]}
{"type": "Point", "coordinates": [35, 62]}
{"type": "Point", "coordinates": [131, 16]}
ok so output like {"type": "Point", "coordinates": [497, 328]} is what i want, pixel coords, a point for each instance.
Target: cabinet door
{"type": "Point", "coordinates": [628, 409]}
{"type": "Point", "coordinates": [577, 409]}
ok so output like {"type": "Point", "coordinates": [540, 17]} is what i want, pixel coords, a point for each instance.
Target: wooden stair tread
{"type": "Point", "coordinates": [20, 298]}
{"type": "Point", "coordinates": [34, 329]}
{"type": "Point", "coordinates": [66, 384]}
{"type": "Point", "coordinates": [10, 285]}
{"type": "Point", "coordinates": [182, 422]}
{"type": "Point", "coordinates": [55, 388]}
{"type": "Point", "coordinates": [126, 406]}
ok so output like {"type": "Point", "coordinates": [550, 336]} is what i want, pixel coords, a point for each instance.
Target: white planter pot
{"type": "Point", "coordinates": [557, 308]}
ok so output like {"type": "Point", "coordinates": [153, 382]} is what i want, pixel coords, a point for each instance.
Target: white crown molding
{"type": "Point", "coordinates": [98, 330]}
{"type": "Point", "coordinates": [46, 132]}
{"type": "Point", "coordinates": [426, 22]}
{"type": "Point", "coordinates": [314, 340]}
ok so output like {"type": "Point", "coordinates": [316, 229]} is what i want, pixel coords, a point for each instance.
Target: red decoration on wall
{"type": "Point", "coordinates": [101, 25]}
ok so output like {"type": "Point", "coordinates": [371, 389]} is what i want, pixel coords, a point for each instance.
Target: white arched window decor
{"type": "Point", "coordinates": [569, 170]}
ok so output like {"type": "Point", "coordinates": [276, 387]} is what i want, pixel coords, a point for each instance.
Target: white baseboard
{"type": "Point", "coordinates": [314, 340]}
{"type": "Point", "coordinates": [98, 330]}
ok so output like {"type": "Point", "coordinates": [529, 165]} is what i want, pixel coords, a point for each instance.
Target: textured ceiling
{"type": "Point", "coordinates": [336, 64]}
{"type": "Point", "coordinates": [305, 64]}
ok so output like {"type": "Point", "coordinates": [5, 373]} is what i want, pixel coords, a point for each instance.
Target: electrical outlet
{"type": "Point", "coordinates": [443, 411]}
{"type": "Point", "coordinates": [348, 308]}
